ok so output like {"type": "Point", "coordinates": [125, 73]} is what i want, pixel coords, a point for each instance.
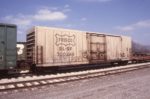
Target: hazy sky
{"type": "Point", "coordinates": [121, 17]}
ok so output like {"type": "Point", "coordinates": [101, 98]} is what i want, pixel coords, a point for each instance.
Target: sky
{"type": "Point", "coordinates": [118, 17]}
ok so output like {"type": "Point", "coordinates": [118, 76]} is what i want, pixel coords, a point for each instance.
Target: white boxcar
{"type": "Point", "coordinates": [57, 47]}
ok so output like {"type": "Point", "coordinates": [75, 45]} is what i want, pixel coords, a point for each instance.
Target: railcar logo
{"type": "Point", "coordinates": [65, 40]}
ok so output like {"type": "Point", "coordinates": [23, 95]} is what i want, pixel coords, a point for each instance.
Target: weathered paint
{"type": "Point", "coordinates": [97, 47]}
{"type": "Point", "coordinates": [118, 48]}
{"type": "Point", "coordinates": [55, 47]}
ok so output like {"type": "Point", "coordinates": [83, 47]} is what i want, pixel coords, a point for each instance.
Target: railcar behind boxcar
{"type": "Point", "coordinates": [140, 57]}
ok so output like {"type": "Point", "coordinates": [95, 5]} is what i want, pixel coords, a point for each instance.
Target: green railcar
{"type": "Point", "coordinates": [8, 51]}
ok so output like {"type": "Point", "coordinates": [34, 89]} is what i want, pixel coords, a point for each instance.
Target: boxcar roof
{"type": "Point", "coordinates": [108, 34]}
{"type": "Point", "coordinates": [7, 24]}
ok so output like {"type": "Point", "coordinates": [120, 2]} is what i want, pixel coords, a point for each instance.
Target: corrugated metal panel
{"type": "Point", "coordinates": [118, 47]}
{"type": "Point", "coordinates": [113, 47]}
{"type": "Point", "coordinates": [7, 46]}
{"type": "Point", "coordinates": [2, 47]}
{"type": "Point", "coordinates": [126, 48]}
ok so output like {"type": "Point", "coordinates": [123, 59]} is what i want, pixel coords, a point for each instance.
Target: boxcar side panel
{"type": "Point", "coordinates": [113, 47]}
{"type": "Point", "coordinates": [2, 47]}
{"type": "Point", "coordinates": [40, 48]}
{"type": "Point", "coordinates": [60, 47]}
{"type": "Point", "coordinates": [11, 51]}
{"type": "Point", "coordinates": [84, 50]}
{"type": "Point", "coordinates": [126, 48]}
{"type": "Point", "coordinates": [7, 46]}
{"type": "Point", "coordinates": [49, 47]}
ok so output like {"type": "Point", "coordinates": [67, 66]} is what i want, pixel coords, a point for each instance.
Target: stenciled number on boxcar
{"type": "Point", "coordinates": [65, 44]}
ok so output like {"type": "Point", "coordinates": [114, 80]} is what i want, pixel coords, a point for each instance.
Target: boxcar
{"type": "Point", "coordinates": [7, 47]}
{"type": "Point", "coordinates": [55, 47]}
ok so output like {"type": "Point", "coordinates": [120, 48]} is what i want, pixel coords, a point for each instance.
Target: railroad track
{"type": "Point", "coordinates": [63, 78]}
